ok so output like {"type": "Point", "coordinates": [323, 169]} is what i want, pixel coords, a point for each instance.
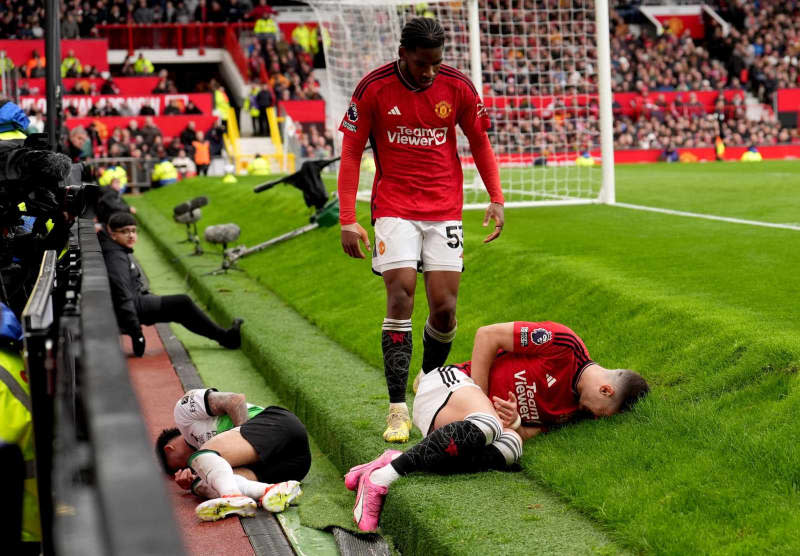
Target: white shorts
{"type": "Point", "coordinates": [421, 244]}
{"type": "Point", "coordinates": [435, 389]}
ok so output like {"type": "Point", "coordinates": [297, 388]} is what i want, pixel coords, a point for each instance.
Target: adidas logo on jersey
{"type": "Point", "coordinates": [394, 111]}
{"type": "Point", "coordinates": [550, 380]}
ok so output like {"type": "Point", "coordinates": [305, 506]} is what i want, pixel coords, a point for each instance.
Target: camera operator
{"type": "Point", "coordinates": [133, 302]}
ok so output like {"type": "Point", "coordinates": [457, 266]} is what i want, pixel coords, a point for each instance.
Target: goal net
{"type": "Point", "coordinates": [542, 67]}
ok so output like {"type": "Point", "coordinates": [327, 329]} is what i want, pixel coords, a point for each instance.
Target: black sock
{"type": "Point", "coordinates": [445, 445]}
{"type": "Point", "coordinates": [397, 344]}
{"type": "Point", "coordinates": [435, 347]}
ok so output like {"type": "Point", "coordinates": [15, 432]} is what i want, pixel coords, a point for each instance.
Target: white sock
{"type": "Point", "coordinates": [384, 476]}
{"type": "Point", "coordinates": [401, 406]}
{"type": "Point", "coordinates": [253, 489]}
{"type": "Point", "coordinates": [215, 471]}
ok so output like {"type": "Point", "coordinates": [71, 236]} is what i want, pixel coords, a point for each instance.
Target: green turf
{"type": "Point", "coordinates": [704, 309]}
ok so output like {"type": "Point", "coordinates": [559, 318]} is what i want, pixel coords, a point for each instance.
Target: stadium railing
{"type": "Point", "coordinates": [90, 437]}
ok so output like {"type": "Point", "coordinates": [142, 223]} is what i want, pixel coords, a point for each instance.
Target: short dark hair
{"type": "Point", "coordinates": [631, 388]}
{"type": "Point", "coordinates": [422, 32]}
{"type": "Point", "coordinates": [164, 438]}
{"type": "Point", "coordinates": [120, 220]}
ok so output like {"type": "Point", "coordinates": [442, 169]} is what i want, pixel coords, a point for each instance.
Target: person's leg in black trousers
{"type": "Point", "coordinates": [181, 309]}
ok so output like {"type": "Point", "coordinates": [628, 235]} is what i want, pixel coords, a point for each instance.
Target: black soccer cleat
{"type": "Point", "coordinates": [233, 335]}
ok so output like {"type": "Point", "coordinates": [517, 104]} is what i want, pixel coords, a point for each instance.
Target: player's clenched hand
{"type": "Point", "coordinates": [494, 212]}
{"type": "Point", "coordinates": [184, 478]}
{"type": "Point", "coordinates": [506, 409]}
{"type": "Point", "coordinates": [352, 234]}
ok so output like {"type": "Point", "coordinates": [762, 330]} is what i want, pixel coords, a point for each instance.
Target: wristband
{"type": "Point", "coordinates": [517, 423]}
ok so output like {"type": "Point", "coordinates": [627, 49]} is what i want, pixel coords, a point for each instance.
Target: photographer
{"type": "Point", "coordinates": [133, 302]}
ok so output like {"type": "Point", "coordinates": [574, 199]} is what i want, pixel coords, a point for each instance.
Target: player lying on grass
{"type": "Point", "coordinates": [234, 453]}
{"type": "Point", "coordinates": [524, 377]}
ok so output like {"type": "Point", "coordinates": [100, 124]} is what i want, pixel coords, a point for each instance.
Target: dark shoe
{"type": "Point", "coordinates": [233, 335]}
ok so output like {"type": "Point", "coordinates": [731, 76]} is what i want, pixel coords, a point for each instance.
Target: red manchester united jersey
{"type": "Point", "coordinates": [542, 371]}
{"type": "Point", "coordinates": [413, 136]}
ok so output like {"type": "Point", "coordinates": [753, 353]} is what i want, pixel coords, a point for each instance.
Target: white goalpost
{"type": "Point", "coordinates": [542, 68]}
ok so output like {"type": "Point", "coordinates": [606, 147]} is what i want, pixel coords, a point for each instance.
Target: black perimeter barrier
{"type": "Point", "coordinates": [100, 490]}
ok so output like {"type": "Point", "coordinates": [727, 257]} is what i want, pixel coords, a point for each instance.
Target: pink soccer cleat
{"type": "Point", "coordinates": [352, 477]}
{"type": "Point", "coordinates": [369, 500]}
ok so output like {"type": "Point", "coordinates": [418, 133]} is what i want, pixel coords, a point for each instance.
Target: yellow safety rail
{"type": "Point", "coordinates": [284, 162]}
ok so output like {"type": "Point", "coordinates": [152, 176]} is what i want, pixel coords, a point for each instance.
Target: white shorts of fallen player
{"type": "Point", "coordinates": [421, 244]}
{"type": "Point", "coordinates": [435, 389]}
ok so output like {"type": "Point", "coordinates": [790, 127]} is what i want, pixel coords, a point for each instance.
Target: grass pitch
{"type": "Point", "coordinates": [709, 463]}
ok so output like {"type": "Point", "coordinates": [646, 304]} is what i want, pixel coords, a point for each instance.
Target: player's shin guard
{"type": "Point", "coordinates": [396, 343]}
{"type": "Point", "coordinates": [461, 439]}
{"type": "Point", "coordinates": [435, 347]}
{"type": "Point", "coordinates": [215, 471]}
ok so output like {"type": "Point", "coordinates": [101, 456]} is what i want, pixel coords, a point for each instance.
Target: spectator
{"type": "Point", "coordinates": [147, 110]}
{"type": "Point", "coordinates": [36, 124]}
{"type": "Point", "coordinates": [182, 14]}
{"type": "Point", "coordinates": [35, 66]}
{"type": "Point", "coordinates": [189, 134]}
{"type": "Point", "coordinates": [215, 138]}
{"type": "Point", "coordinates": [143, 14]}
{"type": "Point", "coordinates": [71, 66]}
{"type": "Point", "coordinates": [184, 165]}
{"type": "Point", "coordinates": [79, 146]}
{"type": "Point", "coordinates": [69, 28]}
{"type": "Point", "coordinates": [110, 200]}
{"type": "Point", "coordinates": [174, 147]}
{"type": "Point", "coordinates": [235, 11]}
{"type": "Point", "coordinates": [143, 66]}
{"type": "Point", "coordinates": [173, 108]}
{"type": "Point", "coordinates": [108, 87]}
{"type": "Point", "coordinates": [265, 28]}
{"type": "Point", "coordinates": [191, 108]}
{"type": "Point", "coordinates": [162, 87]}
{"type": "Point", "coordinates": [202, 156]}
{"type": "Point", "coordinates": [150, 131]}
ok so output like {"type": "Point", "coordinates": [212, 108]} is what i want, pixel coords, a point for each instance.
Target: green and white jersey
{"type": "Point", "coordinates": [194, 419]}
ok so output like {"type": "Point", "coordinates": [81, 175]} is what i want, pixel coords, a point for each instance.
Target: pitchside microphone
{"type": "Point", "coordinates": [183, 208]}
{"type": "Point", "coordinates": [222, 233]}
{"type": "Point", "coordinates": [188, 217]}
{"type": "Point", "coordinates": [198, 202]}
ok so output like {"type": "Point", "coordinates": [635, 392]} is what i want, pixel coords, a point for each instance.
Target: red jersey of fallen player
{"type": "Point", "coordinates": [413, 136]}
{"type": "Point", "coordinates": [542, 371]}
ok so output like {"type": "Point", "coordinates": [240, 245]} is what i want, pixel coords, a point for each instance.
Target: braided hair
{"type": "Point", "coordinates": [422, 32]}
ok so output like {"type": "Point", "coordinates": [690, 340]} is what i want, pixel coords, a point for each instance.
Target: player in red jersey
{"type": "Point", "coordinates": [537, 374]}
{"type": "Point", "coordinates": [409, 109]}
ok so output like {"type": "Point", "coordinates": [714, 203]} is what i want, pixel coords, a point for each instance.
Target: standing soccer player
{"type": "Point", "coordinates": [409, 109]}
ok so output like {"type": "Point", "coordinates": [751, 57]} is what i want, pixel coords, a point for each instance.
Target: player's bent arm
{"type": "Point", "coordinates": [229, 403]}
{"type": "Point", "coordinates": [488, 339]}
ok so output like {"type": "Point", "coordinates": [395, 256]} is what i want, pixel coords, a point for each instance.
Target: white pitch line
{"type": "Point", "coordinates": [711, 217]}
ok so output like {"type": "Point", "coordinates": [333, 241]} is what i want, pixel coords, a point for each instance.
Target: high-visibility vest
{"type": "Point", "coordinates": [14, 134]}
{"type": "Point", "coordinates": [202, 152]}
{"type": "Point", "coordinates": [301, 36]}
{"type": "Point", "coordinates": [117, 172]}
{"type": "Point", "coordinates": [265, 26]}
{"type": "Point", "coordinates": [249, 105]}
{"type": "Point", "coordinates": [326, 39]}
{"type": "Point", "coordinates": [6, 64]}
{"type": "Point", "coordinates": [16, 427]}
{"type": "Point", "coordinates": [258, 167]}
{"type": "Point", "coordinates": [143, 66]}
{"type": "Point", "coordinates": [68, 63]}
{"type": "Point", "coordinates": [164, 173]}
{"type": "Point", "coordinates": [222, 104]}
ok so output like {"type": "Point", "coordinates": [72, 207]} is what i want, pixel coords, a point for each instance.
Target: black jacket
{"type": "Point", "coordinates": [108, 202]}
{"type": "Point", "coordinates": [128, 283]}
